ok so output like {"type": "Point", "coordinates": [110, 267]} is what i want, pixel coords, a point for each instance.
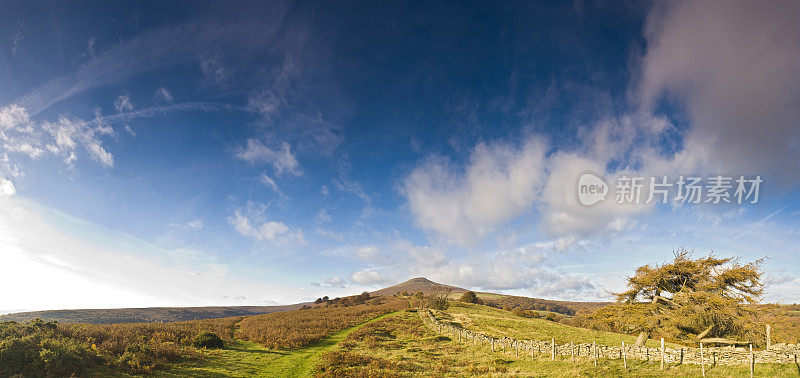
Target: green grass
{"type": "Point", "coordinates": [499, 323]}
{"type": "Point", "coordinates": [399, 344]}
{"type": "Point", "coordinates": [247, 359]}
{"type": "Point", "coordinates": [403, 346]}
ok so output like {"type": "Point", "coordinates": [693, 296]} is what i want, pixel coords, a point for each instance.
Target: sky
{"type": "Point", "coordinates": [200, 153]}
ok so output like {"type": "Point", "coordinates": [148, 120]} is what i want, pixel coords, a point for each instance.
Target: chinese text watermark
{"type": "Point", "coordinates": [685, 189]}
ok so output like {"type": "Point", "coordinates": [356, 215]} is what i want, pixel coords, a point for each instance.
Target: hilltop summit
{"type": "Point", "coordinates": [418, 284]}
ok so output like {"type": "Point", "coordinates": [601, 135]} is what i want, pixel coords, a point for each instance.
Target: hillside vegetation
{"type": "Point", "coordinates": [51, 349]}
{"type": "Point", "coordinates": [360, 335]}
{"type": "Point", "coordinates": [401, 345]}
{"type": "Point", "coordinates": [288, 330]}
{"type": "Point", "coordinates": [145, 315]}
{"type": "Point", "coordinates": [501, 323]}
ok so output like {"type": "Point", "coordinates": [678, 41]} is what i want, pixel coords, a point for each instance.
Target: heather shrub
{"type": "Point", "coordinates": [208, 340]}
{"type": "Point", "coordinates": [20, 357]}
{"type": "Point", "coordinates": [37, 349]}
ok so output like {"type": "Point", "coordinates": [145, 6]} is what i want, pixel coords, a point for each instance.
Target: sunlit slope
{"type": "Point", "coordinates": [500, 323]}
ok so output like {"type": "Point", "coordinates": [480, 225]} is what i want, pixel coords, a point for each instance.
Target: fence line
{"type": "Point", "coordinates": [702, 356]}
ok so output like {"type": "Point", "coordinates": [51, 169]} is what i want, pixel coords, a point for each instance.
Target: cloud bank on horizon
{"type": "Point", "coordinates": [280, 152]}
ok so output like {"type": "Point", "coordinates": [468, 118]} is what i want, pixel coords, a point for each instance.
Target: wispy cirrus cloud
{"type": "Point", "coordinates": [281, 158]}
{"type": "Point", "coordinates": [65, 137]}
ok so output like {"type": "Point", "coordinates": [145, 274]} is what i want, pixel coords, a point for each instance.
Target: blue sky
{"type": "Point", "coordinates": [195, 153]}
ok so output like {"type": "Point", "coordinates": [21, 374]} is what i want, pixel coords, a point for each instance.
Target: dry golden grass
{"type": "Point", "coordinates": [401, 345]}
{"type": "Point", "coordinates": [295, 329]}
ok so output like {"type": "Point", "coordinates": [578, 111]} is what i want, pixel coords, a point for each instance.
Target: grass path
{"type": "Point", "coordinates": [302, 362]}
{"type": "Point", "coordinates": [247, 359]}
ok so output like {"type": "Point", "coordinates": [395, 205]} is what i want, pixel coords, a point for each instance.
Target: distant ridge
{"type": "Point", "coordinates": [175, 314]}
{"type": "Point", "coordinates": [416, 285]}
{"type": "Point", "coordinates": [145, 315]}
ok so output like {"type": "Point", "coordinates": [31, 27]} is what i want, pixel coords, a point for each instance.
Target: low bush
{"type": "Point", "coordinates": [208, 340]}
{"type": "Point", "coordinates": [438, 301]}
{"type": "Point", "coordinates": [37, 349]}
{"type": "Point", "coordinates": [470, 297]}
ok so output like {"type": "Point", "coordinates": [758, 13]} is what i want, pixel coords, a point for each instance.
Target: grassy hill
{"type": "Point", "coordinates": [176, 314]}
{"type": "Point", "coordinates": [500, 323]}
{"type": "Point", "coordinates": [353, 336]}
{"type": "Point", "coordinates": [419, 284]}
{"type": "Point", "coordinates": [145, 315]}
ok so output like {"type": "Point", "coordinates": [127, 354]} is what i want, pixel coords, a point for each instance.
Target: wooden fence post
{"type": "Point", "coordinates": [702, 362]}
{"type": "Point", "coordinates": [769, 340]}
{"type": "Point", "coordinates": [553, 346]}
{"type": "Point", "coordinates": [533, 357]}
{"type": "Point", "coordinates": [752, 361]}
{"type": "Point", "coordinates": [492, 340]}
{"type": "Point", "coordinates": [594, 351]}
{"type": "Point", "coordinates": [572, 351]}
{"type": "Point", "coordinates": [624, 357]}
{"type": "Point", "coordinates": [662, 353]}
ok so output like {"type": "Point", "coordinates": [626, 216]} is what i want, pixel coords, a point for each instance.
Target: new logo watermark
{"type": "Point", "coordinates": [591, 189]}
{"type": "Point", "coordinates": [685, 189]}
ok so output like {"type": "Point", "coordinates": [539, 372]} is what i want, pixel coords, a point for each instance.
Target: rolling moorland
{"type": "Point", "coordinates": [372, 334]}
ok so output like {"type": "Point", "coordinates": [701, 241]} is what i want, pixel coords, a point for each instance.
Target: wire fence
{"type": "Point", "coordinates": [538, 349]}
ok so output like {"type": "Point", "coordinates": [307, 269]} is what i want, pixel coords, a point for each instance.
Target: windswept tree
{"type": "Point", "coordinates": [691, 299]}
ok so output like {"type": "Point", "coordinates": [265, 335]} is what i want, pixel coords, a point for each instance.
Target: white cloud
{"type": "Point", "coordinates": [368, 253]}
{"type": "Point", "coordinates": [7, 188]}
{"type": "Point", "coordinates": [370, 277]}
{"type": "Point", "coordinates": [348, 186]}
{"type": "Point", "coordinates": [268, 181]}
{"type": "Point", "coordinates": [336, 282]}
{"type": "Point", "coordinates": [733, 64]}
{"type": "Point", "coordinates": [25, 149]}
{"type": "Point", "coordinates": [163, 95]}
{"type": "Point", "coordinates": [322, 217]}
{"type": "Point", "coordinates": [123, 104]}
{"type": "Point", "coordinates": [14, 117]}
{"type": "Point", "coordinates": [213, 70]}
{"type": "Point", "coordinates": [195, 224]}
{"type": "Point", "coordinates": [77, 264]}
{"type": "Point", "coordinates": [271, 231]}
{"type": "Point", "coordinates": [266, 104]}
{"type": "Point", "coordinates": [564, 216]}
{"type": "Point", "coordinates": [129, 130]}
{"type": "Point", "coordinates": [16, 40]}
{"type": "Point", "coordinates": [329, 234]}
{"type": "Point", "coordinates": [68, 133]}
{"type": "Point", "coordinates": [499, 182]}
{"type": "Point", "coordinates": [20, 135]}
{"type": "Point", "coordinates": [282, 160]}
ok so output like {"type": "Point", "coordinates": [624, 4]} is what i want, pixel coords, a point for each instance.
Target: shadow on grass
{"type": "Point", "coordinates": [260, 351]}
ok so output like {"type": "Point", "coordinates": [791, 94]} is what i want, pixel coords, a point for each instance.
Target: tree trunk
{"type": "Point", "coordinates": [641, 339]}
{"type": "Point", "coordinates": [704, 333]}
